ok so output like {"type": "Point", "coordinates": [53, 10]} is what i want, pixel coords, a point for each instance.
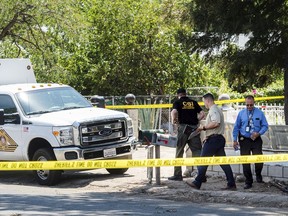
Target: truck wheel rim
{"type": "Point", "coordinates": [43, 174]}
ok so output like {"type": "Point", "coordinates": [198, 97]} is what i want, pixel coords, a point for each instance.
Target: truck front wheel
{"type": "Point", "coordinates": [117, 171]}
{"type": "Point", "coordinates": [46, 177]}
{"type": "Point", "coordinates": [120, 171]}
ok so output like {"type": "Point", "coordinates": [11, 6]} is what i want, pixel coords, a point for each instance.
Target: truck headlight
{"type": "Point", "coordinates": [64, 135]}
{"type": "Point", "coordinates": [130, 127]}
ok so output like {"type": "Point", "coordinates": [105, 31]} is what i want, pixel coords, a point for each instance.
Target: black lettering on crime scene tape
{"type": "Point", "coordinates": [166, 163]}
{"type": "Point", "coordinates": [36, 165]}
{"type": "Point", "coordinates": [22, 165]}
{"type": "Point", "coordinates": [110, 164]}
{"type": "Point", "coordinates": [4, 166]}
{"type": "Point", "coordinates": [98, 164]}
{"type": "Point", "coordinates": [178, 162]}
{"type": "Point", "coordinates": [151, 163]}
{"type": "Point", "coordinates": [62, 165]}
{"type": "Point", "coordinates": [136, 163]}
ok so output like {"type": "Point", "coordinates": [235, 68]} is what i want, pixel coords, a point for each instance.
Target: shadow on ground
{"type": "Point", "coordinates": [69, 179]}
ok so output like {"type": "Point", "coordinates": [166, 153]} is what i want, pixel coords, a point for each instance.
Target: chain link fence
{"type": "Point", "coordinates": [159, 118]}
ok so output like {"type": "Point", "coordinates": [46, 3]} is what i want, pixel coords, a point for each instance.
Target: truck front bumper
{"type": "Point", "coordinates": [95, 153]}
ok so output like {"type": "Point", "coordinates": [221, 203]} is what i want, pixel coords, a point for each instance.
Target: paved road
{"type": "Point", "coordinates": [98, 193]}
{"type": "Point", "coordinates": [19, 200]}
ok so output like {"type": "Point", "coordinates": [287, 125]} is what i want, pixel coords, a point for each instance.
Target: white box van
{"type": "Point", "coordinates": [42, 121]}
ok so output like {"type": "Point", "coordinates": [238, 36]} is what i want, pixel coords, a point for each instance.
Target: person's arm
{"type": "Point", "coordinates": [215, 122]}
{"type": "Point", "coordinates": [263, 129]}
{"type": "Point", "coordinates": [201, 115]}
{"type": "Point", "coordinates": [209, 126]}
{"type": "Point", "coordinates": [264, 125]}
{"type": "Point", "coordinates": [174, 114]}
{"type": "Point", "coordinates": [236, 130]}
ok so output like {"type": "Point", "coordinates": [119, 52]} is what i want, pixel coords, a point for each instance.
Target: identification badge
{"type": "Point", "coordinates": [247, 129]}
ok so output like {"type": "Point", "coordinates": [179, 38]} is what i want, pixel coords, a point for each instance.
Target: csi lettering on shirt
{"type": "Point", "coordinates": [188, 105]}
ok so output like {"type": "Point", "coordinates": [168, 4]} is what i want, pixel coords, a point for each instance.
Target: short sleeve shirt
{"type": "Point", "coordinates": [187, 110]}
{"type": "Point", "coordinates": [215, 115]}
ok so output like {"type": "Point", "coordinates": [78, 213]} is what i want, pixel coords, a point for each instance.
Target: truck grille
{"type": "Point", "coordinates": [103, 133]}
{"type": "Point", "coordinates": [99, 154]}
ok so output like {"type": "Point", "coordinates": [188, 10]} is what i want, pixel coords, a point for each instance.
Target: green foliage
{"type": "Point", "coordinates": [106, 47]}
{"type": "Point", "coordinates": [42, 31]}
{"type": "Point", "coordinates": [148, 117]}
{"type": "Point", "coordinates": [117, 47]}
{"type": "Point", "coordinates": [274, 89]}
{"type": "Point", "coordinates": [131, 49]}
{"type": "Point", "coordinates": [217, 24]}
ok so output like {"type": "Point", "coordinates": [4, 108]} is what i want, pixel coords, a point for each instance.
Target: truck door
{"type": "Point", "coordinates": [10, 130]}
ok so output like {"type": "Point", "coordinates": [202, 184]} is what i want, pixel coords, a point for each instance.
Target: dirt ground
{"type": "Point", "coordinates": [135, 183]}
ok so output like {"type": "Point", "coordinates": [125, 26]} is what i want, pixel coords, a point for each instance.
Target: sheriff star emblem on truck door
{"type": "Point", "coordinates": [7, 144]}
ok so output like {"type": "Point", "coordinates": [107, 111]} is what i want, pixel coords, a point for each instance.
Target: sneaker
{"type": "Point", "coordinates": [176, 178]}
{"type": "Point", "coordinates": [232, 188]}
{"type": "Point", "coordinates": [247, 186]}
{"type": "Point", "coordinates": [191, 184]}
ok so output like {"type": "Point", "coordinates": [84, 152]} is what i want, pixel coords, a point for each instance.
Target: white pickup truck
{"type": "Point", "coordinates": [42, 121]}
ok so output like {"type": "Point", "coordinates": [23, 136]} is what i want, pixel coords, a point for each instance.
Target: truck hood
{"type": "Point", "coordinates": [74, 116]}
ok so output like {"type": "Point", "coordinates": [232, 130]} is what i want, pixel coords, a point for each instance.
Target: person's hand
{"type": "Point", "coordinates": [254, 135]}
{"type": "Point", "coordinates": [199, 129]}
{"type": "Point", "coordinates": [235, 144]}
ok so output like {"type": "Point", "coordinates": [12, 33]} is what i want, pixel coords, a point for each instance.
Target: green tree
{"type": "Point", "coordinates": [217, 23]}
{"type": "Point", "coordinates": [38, 30]}
{"type": "Point", "coordinates": [110, 47]}
{"type": "Point", "coordinates": [131, 47]}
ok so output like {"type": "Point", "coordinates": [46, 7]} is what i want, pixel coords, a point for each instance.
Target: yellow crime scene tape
{"type": "Point", "coordinates": [200, 103]}
{"type": "Point", "coordinates": [96, 164]}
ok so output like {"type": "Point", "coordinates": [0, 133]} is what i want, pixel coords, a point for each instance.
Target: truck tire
{"type": "Point", "coordinates": [46, 177]}
{"type": "Point", "coordinates": [120, 171]}
{"type": "Point", "coordinates": [117, 171]}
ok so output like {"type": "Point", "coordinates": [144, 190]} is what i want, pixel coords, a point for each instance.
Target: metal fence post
{"type": "Point", "coordinates": [157, 169]}
{"type": "Point", "coordinates": [150, 155]}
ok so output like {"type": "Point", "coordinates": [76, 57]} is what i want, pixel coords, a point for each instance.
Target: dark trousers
{"type": "Point", "coordinates": [248, 146]}
{"type": "Point", "coordinates": [194, 145]}
{"type": "Point", "coordinates": [214, 146]}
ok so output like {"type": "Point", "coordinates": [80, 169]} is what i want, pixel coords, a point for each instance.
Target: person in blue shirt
{"type": "Point", "coordinates": [250, 124]}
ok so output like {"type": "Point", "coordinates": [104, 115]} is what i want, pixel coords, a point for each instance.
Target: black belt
{"type": "Point", "coordinates": [241, 137]}
{"type": "Point", "coordinates": [213, 135]}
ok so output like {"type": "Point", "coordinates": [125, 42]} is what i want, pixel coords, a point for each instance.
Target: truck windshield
{"type": "Point", "coordinates": [51, 100]}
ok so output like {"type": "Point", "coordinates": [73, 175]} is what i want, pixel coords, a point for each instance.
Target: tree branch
{"type": "Point", "coordinates": [9, 26]}
{"type": "Point", "coordinates": [18, 36]}
{"type": "Point", "coordinates": [13, 21]}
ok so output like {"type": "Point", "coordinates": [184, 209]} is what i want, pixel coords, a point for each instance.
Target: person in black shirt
{"type": "Point", "coordinates": [188, 112]}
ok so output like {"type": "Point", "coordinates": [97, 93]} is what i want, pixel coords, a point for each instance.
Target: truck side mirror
{"type": "Point", "coordinates": [13, 118]}
{"type": "Point", "coordinates": [16, 119]}
{"type": "Point", "coordinates": [1, 117]}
